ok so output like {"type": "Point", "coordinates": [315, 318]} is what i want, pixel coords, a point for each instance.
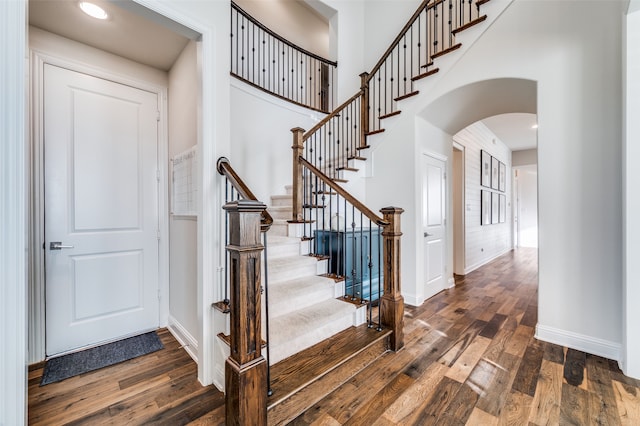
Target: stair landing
{"type": "Point", "coordinates": [303, 379]}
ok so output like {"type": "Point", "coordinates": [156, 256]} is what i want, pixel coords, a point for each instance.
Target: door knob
{"type": "Point", "coordinates": [426, 234]}
{"type": "Point", "coordinates": [57, 245]}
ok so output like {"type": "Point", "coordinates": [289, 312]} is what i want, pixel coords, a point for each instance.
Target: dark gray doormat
{"type": "Point", "coordinates": [63, 367]}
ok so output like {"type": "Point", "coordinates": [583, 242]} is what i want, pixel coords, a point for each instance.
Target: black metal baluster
{"type": "Point", "coordinates": [226, 243]}
{"type": "Point", "coordinates": [450, 23]}
{"type": "Point", "coordinates": [380, 276]}
{"type": "Point", "coordinates": [369, 257]}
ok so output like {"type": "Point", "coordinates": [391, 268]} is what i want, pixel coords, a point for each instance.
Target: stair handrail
{"type": "Point", "coordinates": [398, 38]}
{"type": "Point", "coordinates": [224, 168]}
{"type": "Point", "coordinates": [282, 39]}
{"type": "Point", "coordinates": [331, 115]}
{"type": "Point", "coordinates": [310, 194]}
{"type": "Point", "coordinates": [429, 33]}
{"type": "Point", "coordinates": [344, 194]}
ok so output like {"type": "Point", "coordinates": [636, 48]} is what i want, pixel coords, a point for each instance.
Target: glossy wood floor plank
{"type": "Point", "coordinates": [470, 358]}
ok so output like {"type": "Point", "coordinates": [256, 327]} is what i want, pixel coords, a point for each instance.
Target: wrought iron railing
{"type": "Point", "coordinates": [268, 61]}
{"type": "Point", "coordinates": [429, 33]}
{"type": "Point", "coordinates": [348, 235]}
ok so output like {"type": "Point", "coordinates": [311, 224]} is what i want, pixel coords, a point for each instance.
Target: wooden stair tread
{"type": "Point", "coordinates": [357, 158]}
{"type": "Point", "coordinates": [427, 65]}
{"type": "Point", "coordinates": [391, 114]}
{"type": "Point", "coordinates": [408, 95]}
{"type": "Point", "coordinates": [426, 74]}
{"type": "Point", "coordinates": [481, 2]}
{"type": "Point", "coordinates": [340, 180]}
{"type": "Point", "coordinates": [447, 50]}
{"type": "Point", "coordinates": [373, 132]}
{"type": "Point", "coordinates": [369, 146]}
{"type": "Point", "coordinates": [469, 25]}
{"type": "Point", "coordinates": [227, 340]}
{"type": "Point", "coordinates": [221, 306]}
{"type": "Point", "coordinates": [299, 371]}
{"type": "Point", "coordinates": [348, 169]}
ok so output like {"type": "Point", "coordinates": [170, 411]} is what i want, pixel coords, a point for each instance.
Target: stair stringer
{"type": "Point", "coordinates": [403, 142]}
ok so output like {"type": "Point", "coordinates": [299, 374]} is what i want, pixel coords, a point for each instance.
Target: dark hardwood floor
{"type": "Point", "coordinates": [470, 358]}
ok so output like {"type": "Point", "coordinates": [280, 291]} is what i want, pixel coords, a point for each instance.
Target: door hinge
{"type": "Point", "coordinates": [158, 116]}
{"type": "Point", "coordinates": [159, 298]}
{"type": "Point", "coordinates": [158, 234]}
{"type": "Point", "coordinates": [158, 175]}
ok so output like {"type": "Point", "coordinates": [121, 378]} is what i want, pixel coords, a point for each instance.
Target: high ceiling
{"type": "Point", "coordinates": [131, 31]}
{"type": "Point", "coordinates": [515, 130]}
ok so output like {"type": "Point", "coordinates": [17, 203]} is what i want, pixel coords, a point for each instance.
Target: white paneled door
{"type": "Point", "coordinates": [433, 223]}
{"type": "Point", "coordinates": [101, 210]}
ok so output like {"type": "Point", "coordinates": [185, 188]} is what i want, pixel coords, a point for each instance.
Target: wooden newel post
{"type": "Point", "coordinates": [364, 109]}
{"type": "Point", "coordinates": [298, 147]}
{"type": "Point", "coordinates": [392, 302]}
{"type": "Point", "coordinates": [245, 369]}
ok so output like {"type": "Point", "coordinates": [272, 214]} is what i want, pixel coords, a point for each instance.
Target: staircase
{"type": "Point", "coordinates": [318, 338]}
{"type": "Point", "coordinates": [304, 308]}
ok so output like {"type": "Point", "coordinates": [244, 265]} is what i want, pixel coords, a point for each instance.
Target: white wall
{"type": "Point", "coordinates": [293, 20]}
{"type": "Point", "coordinates": [61, 47]}
{"type": "Point", "coordinates": [483, 242]}
{"type": "Point", "coordinates": [577, 66]}
{"type": "Point", "coordinates": [526, 157]}
{"type": "Point", "coordinates": [13, 212]}
{"type": "Point", "coordinates": [261, 140]}
{"type": "Point", "coordinates": [383, 21]}
{"type": "Point", "coordinates": [183, 134]}
{"type": "Point", "coordinates": [631, 154]}
{"type": "Point", "coordinates": [347, 45]}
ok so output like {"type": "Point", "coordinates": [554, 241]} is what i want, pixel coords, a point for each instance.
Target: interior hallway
{"type": "Point", "coordinates": [469, 358]}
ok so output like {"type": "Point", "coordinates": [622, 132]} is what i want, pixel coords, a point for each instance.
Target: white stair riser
{"type": "Point", "coordinates": [281, 200]}
{"type": "Point", "coordinates": [284, 250]}
{"type": "Point", "coordinates": [281, 212]}
{"type": "Point", "coordinates": [281, 306]}
{"type": "Point", "coordinates": [291, 272]}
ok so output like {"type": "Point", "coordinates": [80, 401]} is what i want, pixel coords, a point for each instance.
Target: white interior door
{"type": "Point", "coordinates": [433, 223]}
{"type": "Point", "coordinates": [101, 206]}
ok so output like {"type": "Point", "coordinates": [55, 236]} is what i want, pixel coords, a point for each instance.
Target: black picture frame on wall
{"type": "Point", "coordinates": [503, 209]}
{"type": "Point", "coordinates": [495, 173]}
{"type": "Point", "coordinates": [495, 207]}
{"type": "Point", "coordinates": [485, 169]}
{"type": "Point", "coordinates": [502, 178]}
{"type": "Point", "coordinates": [485, 207]}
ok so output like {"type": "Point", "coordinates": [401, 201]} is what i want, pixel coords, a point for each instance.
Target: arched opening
{"type": "Point", "coordinates": [484, 121]}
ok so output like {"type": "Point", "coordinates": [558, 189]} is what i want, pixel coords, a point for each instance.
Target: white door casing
{"type": "Point", "coordinates": [101, 199]}
{"type": "Point", "coordinates": [434, 224]}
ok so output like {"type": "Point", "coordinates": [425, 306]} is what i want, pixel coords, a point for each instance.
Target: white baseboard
{"type": "Point", "coordinates": [186, 340]}
{"type": "Point", "coordinates": [472, 268]}
{"type": "Point", "coordinates": [581, 342]}
{"type": "Point", "coordinates": [411, 300]}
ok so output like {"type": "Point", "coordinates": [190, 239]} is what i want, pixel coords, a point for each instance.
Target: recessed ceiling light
{"type": "Point", "coordinates": [93, 10]}
{"type": "Point", "coordinates": [535, 126]}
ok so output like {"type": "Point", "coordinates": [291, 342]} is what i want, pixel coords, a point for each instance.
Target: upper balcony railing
{"type": "Point", "coordinates": [269, 62]}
